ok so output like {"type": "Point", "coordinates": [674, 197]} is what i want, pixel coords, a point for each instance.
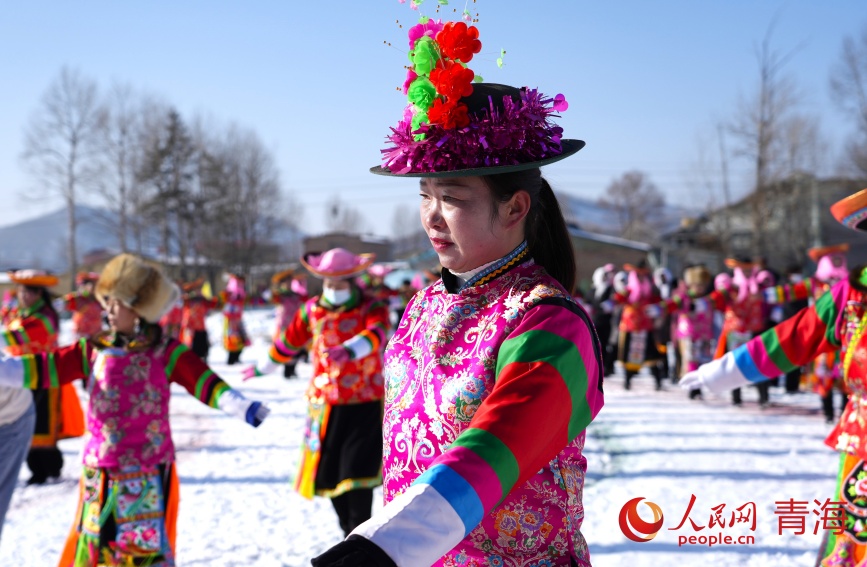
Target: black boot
{"type": "Point", "coordinates": [289, 370]}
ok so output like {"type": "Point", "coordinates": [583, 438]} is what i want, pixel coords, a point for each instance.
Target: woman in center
{"type": "Point", "coordinates": [494, 372]}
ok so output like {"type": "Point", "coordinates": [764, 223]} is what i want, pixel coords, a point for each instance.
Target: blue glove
{"type": "Point", "coordinates": [256, 414]}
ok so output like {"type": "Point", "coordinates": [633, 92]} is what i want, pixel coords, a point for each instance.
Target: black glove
{"type": "Point", "coordinates": [354, 551]}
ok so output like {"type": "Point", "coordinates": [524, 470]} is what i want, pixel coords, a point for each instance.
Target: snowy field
{"type": "Point", "coordinates": [237, 508]}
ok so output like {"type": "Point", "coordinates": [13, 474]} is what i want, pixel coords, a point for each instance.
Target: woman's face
{"type": "Point", "coordinates": [26, 296]}
{"type": "Point", "coordinates": [456, 215]}
{"type": "Point", "coordinates": [121, 318]}
{"type": "Point", "coordinates": [335, 284]}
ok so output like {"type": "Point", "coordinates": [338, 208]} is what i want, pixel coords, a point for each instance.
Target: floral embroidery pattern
{"type": "Point", "coordinates": [439, 369]}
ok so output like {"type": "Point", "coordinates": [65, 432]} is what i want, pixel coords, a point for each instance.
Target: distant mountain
{"type": "Point", "coordinates": [41, 242]}
{"type": "Point", "coordinates": [591, 216]}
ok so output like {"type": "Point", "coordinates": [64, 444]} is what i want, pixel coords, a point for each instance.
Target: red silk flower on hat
{"type": "Point", "coordinates": [452, 80]}
{"type": "Point", "coordinates": [457, 41]}
{"type": "Point", "coordinates": [449, 114]}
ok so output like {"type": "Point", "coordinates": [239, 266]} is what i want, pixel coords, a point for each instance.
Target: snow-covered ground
{"type": "Point", "coordinates": [237, 507]}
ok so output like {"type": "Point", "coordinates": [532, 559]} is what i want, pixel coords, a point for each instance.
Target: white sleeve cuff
{"type": "Point", "coordinates": [266, 365]}
{"type": "Point", "coordinates": [722, 375]}
{"type": "Point", "coordinates": [234, 403]}
{"type": "Point", "coordinates": [359, 346]}
{"type": "Point", "coordinates": [416, 528]}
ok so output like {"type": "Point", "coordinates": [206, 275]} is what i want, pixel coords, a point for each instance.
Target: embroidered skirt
{"type": "Point", "coordinates": [125, 518]}
{"type": "Point", "coordinates": [342, 449]}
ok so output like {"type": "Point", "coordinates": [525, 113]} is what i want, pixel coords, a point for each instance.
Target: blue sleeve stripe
{"type": "Point", "coordinates": [457, 492]}
{"type": "Point", "coordinates": [746, 365]}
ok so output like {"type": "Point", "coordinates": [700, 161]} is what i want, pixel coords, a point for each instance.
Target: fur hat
{"type": "Point", "coordinates": [139, 285]}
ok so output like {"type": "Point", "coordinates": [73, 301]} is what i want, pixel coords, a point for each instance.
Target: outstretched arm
{"type": "Point", "coordinates": [188, 370]}
{"type": "Point", "coordinates": [47, 370]}
{"type": "Point", "coordinates": [794, 342]}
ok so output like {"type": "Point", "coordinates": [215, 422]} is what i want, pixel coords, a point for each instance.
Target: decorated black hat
{"type": "Point", "coordinates": [455, 126]}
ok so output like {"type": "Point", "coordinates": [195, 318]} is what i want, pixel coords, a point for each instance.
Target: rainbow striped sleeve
{"type": "Point", "coordinates": [47, 370]}
{"type": "Point", "coordinates": [794, 342]}
{"type": "Point", "coordinates": [548, 389]}
{"type": "Point", "coordinates": [373, 336]}
{"type": "Point", "coordinates": [291, 340]}
{"type": "Point", "coordinates": [185, 368]}
{"type": "Point", "coordinates": [789, 292]}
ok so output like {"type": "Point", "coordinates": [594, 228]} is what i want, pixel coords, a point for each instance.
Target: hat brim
{"type": "Point", "coordinates": [852, 211]}
{"type": "Point", "coordinates": [196, 284]}
{"type": "Point", "coordinates": [570, 147]}
{"type": "Point", "coordinates": [36, 281]}
{"type": "Point", "coordinates": [816, 254]}
{"type": "Point", "coordinates": [366, 261]}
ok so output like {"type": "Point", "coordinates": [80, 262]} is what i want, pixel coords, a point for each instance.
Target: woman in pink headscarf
{"type": "Point", "coordinates": [345, 330]}
{"type": "Point", "coordinates": [741, 299]}
{"type": "Point", "coordinates": [637, 347]}
{"type": "Point", "coordinates": [234, 334]}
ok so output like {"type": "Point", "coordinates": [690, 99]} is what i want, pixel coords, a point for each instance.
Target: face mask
{"type": "Point", "coordinates": [336, 296]}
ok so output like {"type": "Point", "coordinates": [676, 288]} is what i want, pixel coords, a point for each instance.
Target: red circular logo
{"type": "Point", "coordinates": [634, 527]}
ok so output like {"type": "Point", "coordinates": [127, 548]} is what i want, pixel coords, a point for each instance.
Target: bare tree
{"type": "Point", "coordinates": [61, 145]}
{"type": "Point", "coordinates": [638, 204]}
{"type": "Point", "coordinates": [849, 92]}
{"type": "Point", "coordinates": [340, 217]}
{"type": "Point", "coordinates": [121, 151]}
{"type": "Point", "coordinates": [169, 167]}
{"type": "Point", "coordinates": [240, 199]}
{"type": "Point", "coordinates": [758, 128]}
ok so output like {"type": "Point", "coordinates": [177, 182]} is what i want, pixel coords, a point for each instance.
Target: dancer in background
{"type": "Point", "coordinates": [129, 485]}
{"type": "Point", "coordinates": [342, 450]}
{"type": "Point", "coordinates": [836, 321]}
{"type": "Point", "coordinates": [31, 328]}
{"type": "Point", "coordinates": [172, 321]}
{"type": "Point", "coordinates": [194, 332]}
{"type": "Point", "coordinates": [234, 333]}
{"type": "Point", "coordinates": [637, 346]}
{"type": "Point", "coordinates": [85, 308]}
{"type": "Point", "coordinates": [603, 306]}
{"type": "Point", "coordinates": [284, 294]}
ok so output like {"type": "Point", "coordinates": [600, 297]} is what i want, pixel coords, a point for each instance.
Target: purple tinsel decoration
{"type": "Point", "coordinates": [519, 133]}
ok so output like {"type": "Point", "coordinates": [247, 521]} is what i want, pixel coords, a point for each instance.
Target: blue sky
{"type": "Point", "coordinates": [644, 79]}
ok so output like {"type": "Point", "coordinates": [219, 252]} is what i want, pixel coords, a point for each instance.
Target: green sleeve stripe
{"type": "Point", "coordinates": [200, 383]}
{"type": "Point", "coordinates": [85, 359]}
{"type": "Point", "coordinates": [173, 359]}
{"type": "Point", "coordinates": [217, 393]}
{"type": "Point", "coordinates": [30, 374]}
{"type": "Point", "coordinates": [304, 315]}
{"type": "Point", "coordinates": [775, 351]}
{"type": "Point", "coordinates": [564, 356]}
{"type": "Point", "coordinates": [494, 452]}
{"type": "Point", "coordinates": [826, 309]}
{"type": "Point", "coordinates": [50, 361]}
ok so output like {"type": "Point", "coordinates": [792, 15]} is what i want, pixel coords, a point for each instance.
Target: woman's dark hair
{"type": "Point", "coordinates": [545, 229]}
{"type": "Point", "coordinates": [44, 294]}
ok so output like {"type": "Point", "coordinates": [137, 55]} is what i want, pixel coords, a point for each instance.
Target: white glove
{"type": "Point", "coordinates": [717, 376]}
